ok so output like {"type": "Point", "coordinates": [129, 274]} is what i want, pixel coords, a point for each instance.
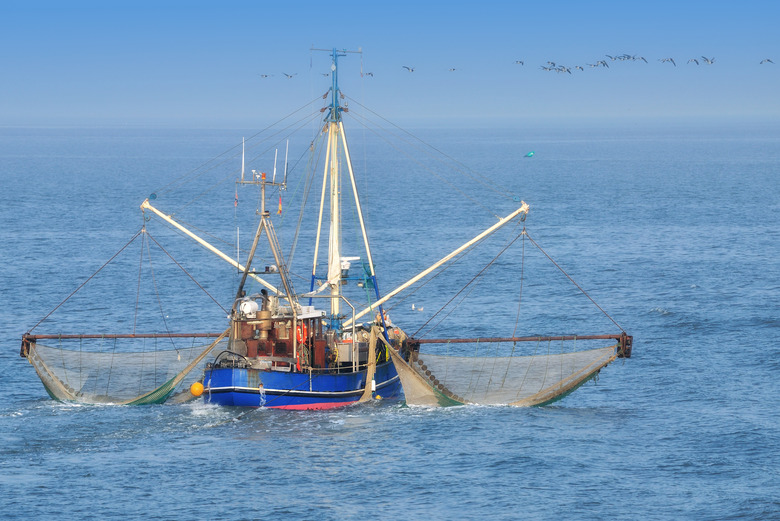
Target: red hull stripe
{"type": "Point", "coordinates": [311, 406]}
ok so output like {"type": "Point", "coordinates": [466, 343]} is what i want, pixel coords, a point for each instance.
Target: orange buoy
{"type": "Point", "coordinates": [196, 389]}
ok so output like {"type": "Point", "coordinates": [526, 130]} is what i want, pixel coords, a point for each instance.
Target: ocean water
{"type": "Point", "coordinates": [672, 229]}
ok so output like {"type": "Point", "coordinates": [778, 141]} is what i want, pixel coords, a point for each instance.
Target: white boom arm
{"type": "Point", "coordinates": [167, 218]}
{"type": "Point", "coordinates": [523, 209]}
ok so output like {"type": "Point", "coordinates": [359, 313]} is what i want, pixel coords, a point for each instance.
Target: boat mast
{"type": "Point", "coordinates": [334, 242]}
{"type": "Point", "coordinates": [266, 225]}
{"type": "Point", "coordinates": [331, 184]}
{"type": "Point", "coordinates": [337, 149]}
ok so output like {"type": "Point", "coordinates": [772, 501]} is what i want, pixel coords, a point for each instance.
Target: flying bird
{"type": "Point", "coordinates": [708, 61]}
{"type": "Point", "coordinates": [663, 60]}
{"type": "Point", "coordinates": [694, 60]}
{"type": "Point", "coordinates": [452, 69]}
{"type": "Point", "coordinates": [410, 69]}
{"type": "Point", "coordinates": [519, 62]}
{"type": "Point", "coordinates": [766, 60]}
{"type": "Point", "coordinates": [266, 75]}
{"type": "Point", "coordinates": [370, 74]}
{"type": "Point", "coordinates": [290, 75]}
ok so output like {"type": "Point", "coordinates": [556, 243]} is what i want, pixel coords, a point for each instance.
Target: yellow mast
{"type": "Point", "coordinates": [334, 241]}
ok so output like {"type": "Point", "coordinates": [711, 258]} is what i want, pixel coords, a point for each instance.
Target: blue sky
{"type": "Point", "coordinates": [194, 63]}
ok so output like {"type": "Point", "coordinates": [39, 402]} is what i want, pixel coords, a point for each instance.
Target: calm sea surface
{"type": "Point", "coordinates": [674, 231]}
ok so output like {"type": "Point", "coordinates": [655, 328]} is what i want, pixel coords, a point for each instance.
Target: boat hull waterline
{"type": "Point", "coordinates": [247, 387]}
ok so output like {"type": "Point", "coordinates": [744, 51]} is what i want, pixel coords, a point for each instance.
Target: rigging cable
{"type": "Point", "coordinates": [520, 293]}
{"type": "Point", "coordinates": [187, 273]}
{"type": "Point", "coordinates": [308, 182]}
{"type": "Point", "coordinates": [181, 179]}
{"type": "Point", "coordinates": [464, 169]}
{"type": "Point", "coordinates": [477, 276]}
{"type": "Point", "coordinates": [138, 286]}
{"type": "Point", "coordinates": [519, 302]}
{"type": "Point", "coordinates": [159, 301]}
{"type": "Point", "coordinates": [444, 268]}
{"type": "Point", "coordinates": [86, 281]}
{"type": "Point", "coordinates": [474, 200]}
{"type": "Point", "coordinates": [316, 148]}
{"type": "Point", "coordinates": [305, 120]}
{"type": "Point", "coordinates": [575, 284]}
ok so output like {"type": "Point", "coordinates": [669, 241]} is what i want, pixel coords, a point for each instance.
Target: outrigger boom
{"type": "Point", "coordinates": [146, 205]}
{"type": "Point", "coordinates": [523, 210]}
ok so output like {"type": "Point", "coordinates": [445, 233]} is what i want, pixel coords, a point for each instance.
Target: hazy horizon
{"type": "Point", "coordinates": [198, 64]}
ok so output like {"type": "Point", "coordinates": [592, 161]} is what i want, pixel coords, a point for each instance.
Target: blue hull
{"type": "Point", "coordinates": [261, 388]}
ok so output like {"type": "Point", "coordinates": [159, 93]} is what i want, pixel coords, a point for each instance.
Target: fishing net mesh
{"type": "Point", "coordinates": [441, 380]}
{"type": "Point", "coordinates": [112, 377]}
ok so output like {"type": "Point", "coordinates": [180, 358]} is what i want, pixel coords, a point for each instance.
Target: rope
{"type": "Point", "coordinates": [316, 150]}
{"type": "Point", "coordinates": [86, 281]}
{"type": "Point", "coordinates": [477, 276]}
{"type": "Point", "coordinates": [305, 120]}
{"type": "Point", "coordinates": [175, 183]}
{"type": "Point", "coordinates": [474, 200]}
{"type": "Point", "coordinates": [159, 302]}
{"type": "Point", "coordinates": [575, 284]}
{"type": "Point", "coordinates": [520, 294]}
{"type": "Point", "coordinates": [187, 273]}
{"type": "Point", "coordinates": [447, 304]}
{"type": "Point", "coordinates": [527, 370]}
{"type": "Point", "coordinates": [438, 273]}
{"type": "Point", "coordinates": [464, 169]}
{"type": "Point", "coordinates": [519, 302]}
{"type": "Point", "coordinates": [110, 369]}
{"type": "Point", "coordinates": [138, 286]}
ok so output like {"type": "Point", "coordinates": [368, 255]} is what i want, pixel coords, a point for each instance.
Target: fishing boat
{"type": "Point", "coordinates": [320, 348]}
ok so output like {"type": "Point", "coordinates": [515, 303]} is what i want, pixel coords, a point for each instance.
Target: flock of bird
{"type": "Point", "coordinates": [552, 66]}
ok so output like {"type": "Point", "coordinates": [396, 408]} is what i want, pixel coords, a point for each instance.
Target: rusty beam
{"type": "Point", "coordinates": [513, 339]}
{"type": "Point", "coordinates": [33, 338]}
{"type": "Point", "coordinates": [28, 339]}
{"type": "Point", "coordinates": [624, 341]}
